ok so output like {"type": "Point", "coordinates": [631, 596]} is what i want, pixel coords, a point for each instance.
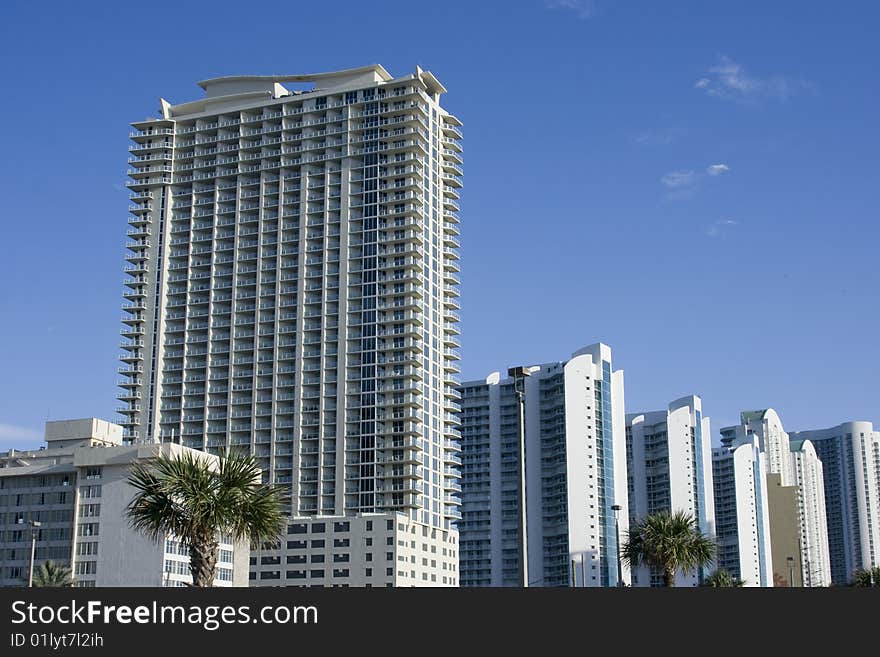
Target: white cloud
{"type": "Point", "coordinates": [583, 9]}
{"type": "Point", "coordinates": [717, 169]}
{"type": "Point", "coordinates": [683, 184]}
{"type": "Point", "coordinates": [715, 229]}
{"type": "Point", "coordinates": [678, 179]}
{"type": "Point", "coordinates": [729, 81]}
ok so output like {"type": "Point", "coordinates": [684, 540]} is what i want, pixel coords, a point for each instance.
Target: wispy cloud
{"type": "Point", "coordinates": [583, 9]}
{"type": "Point", "coordinates": [730, 81]}
{"type": "Point", "coordinates": [662, 137]}
{"type": "Point", "coordinates": [12, 436]}
{"type": "Point", "coordinates": [679, 179]}
{"type": "Point", "coordinates": [683, 184]}
{"type": "Point", "coordinates": [721, 225]}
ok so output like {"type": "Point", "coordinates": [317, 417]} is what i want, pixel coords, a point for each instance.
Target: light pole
{"type": "Point", "coordinates": [519, 375]}
{"type": "Point", "coordinates": [35, 529]}
{"type": "Point", "coordinates": [616, 508]}
{"type": "Point", "coordinates": [790, 561]}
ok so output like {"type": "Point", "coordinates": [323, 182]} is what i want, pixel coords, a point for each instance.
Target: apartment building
{"type": "Point", "coordinates": [292, 292]}
{"type": "Point", "coordinates": [575, 466]}
{"type": "Point", "coordinates": [76, 489]}
{"type": "Point", "coordinates": [669, 468]}
{"type": "Point", "coordinates": [850, 457]}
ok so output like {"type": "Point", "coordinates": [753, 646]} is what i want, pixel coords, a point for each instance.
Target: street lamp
{"type": "Point", "coordinates": [519, 375]}
{"type": "Point", "coordinates": [35, 529]}
{"type": "Point", "coordinates": [616, 508]}
{"type": "Point", "coordinates": [790, 561]}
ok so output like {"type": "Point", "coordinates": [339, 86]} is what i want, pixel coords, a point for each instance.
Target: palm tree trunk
{"type": "Point", "coordinates": [203, 555]}
{"type": "Point", "coordinates": [668, 577]}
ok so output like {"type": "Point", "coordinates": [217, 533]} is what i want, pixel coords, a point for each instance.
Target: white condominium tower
{"type": "Point", "coordinates": [575, 473]}
{"type": "Point", "coordinates": [791, 537]}
{"type": "Point", "coordinates": [292, 293]}
{"type": "Point", "coordinates": [669, 468]}
{"type": "Point", "coordinates": [742, 518]}
{"type": "Point", "coordinates": [850, 455]}
{"type": "Point", "coordinates": [809, 476]}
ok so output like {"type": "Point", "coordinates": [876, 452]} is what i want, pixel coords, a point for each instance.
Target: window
{"type": "Point", "coordinates": [369, 556]}
{"type": "Point", "coordinates": [340, 572]}
{"type": "Point", "coordinates": [340, 542]}
{"type": "Point", "coordinates": [86, 568]}
{"type": "Point", "coordinates": [368, 572]}
{"type": "Point", "coordinates": [296, 574]}
{"type": "Point", "coordinates": [341, 526]}
{"type": "Point", "coordinates": [93, 473]}
{"type": "Point", "coordinates": [316, 574]}
{"type": "Point", "coordinates": [296, 545]}
{"type": "Point", "coordinates": [389, 524]}
{"type": "Point", "coordinates": [318, 543]}
{"type": "Point", "coordinates": [299, 528]}
{"type": "Point", "coordinates": [389, 556]}
{"type": "Point", "coordinates": [369, 525]}
{"type": "Point", "coordinates": [86, 549]}
{"type": "Point", "coordinates": [89, 510]}
{"type": "Point", "coordinates": [88, 529]}
{"type": "Point", "coordinates": [317, 558]}
{"type": "Point", "coordinates": [319, 528]}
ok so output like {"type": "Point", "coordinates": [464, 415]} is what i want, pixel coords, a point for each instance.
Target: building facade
{"type": "Point", "coordinates": [76, 489]}
{"type": "Point", "coordinates": [292, 291]}
{"type": "Point", "coordinates": [742, 520]}
{"type": "Point", "coordinates": [797, 547]}
{"type": "Point", "coordinates": [669, 468]}
{"type": "Point", "coordinates": [575, 474]}
{"type": "Point", "coordinates": [850, 456]}
{"type": "Point", "coordinates": [810, 480]}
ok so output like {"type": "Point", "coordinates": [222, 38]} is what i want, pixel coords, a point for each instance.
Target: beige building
{"type": "Point", "coordinates": [785, 532]}
{"type": "Point", "coordinates": [76, 489]}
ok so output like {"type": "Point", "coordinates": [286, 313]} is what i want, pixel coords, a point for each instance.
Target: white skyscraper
{"type": "Point", "coordinates": [669, 468]}
{"type": "Point", "coordinates": [742, 518]}
{"type": "Point", "coordinates": [850, 455]}
{"type": "Point", "coordinates": [809, 477]}
{"type": "Point", "coordinates": [292, 293]}
{"type": "Point", "coordinates": [575, 473]}
{"type": "Point", "coordinates": [788, 492]}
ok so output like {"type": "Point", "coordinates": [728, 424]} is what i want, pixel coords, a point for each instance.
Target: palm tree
{"type": "Point", "coordinates": [722, 579]}
{"type": "Point", "coordinates": [869, 577]}
{"type": "Point", "coordinates": [187, 496]}
{"type": "Point", "coordinates": [669, 542]}
{"type": "Point", "coordinates": [51, 574]}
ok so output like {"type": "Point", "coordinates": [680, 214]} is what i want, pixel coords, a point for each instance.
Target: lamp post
{"type": "Point", "coordinates": [616, 508]}
{"type": "Point", "coordinates": [35, 529]}
{"type": "Point", "coordinates": [790, 561]}
{"type": "Point", "coordinates": [519, 375]}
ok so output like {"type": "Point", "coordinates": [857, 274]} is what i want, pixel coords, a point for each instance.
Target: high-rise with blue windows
{"type": "Point", "coordinates": [850, 456]}
{"type": "Point", "coordinates": [575, 474]}
{"type": "Point", "coordinates": [742, 513]}
{"type": "Point", "coordinates": [669, 468]}
{"type": "Point", "coordinates": [292, 293]}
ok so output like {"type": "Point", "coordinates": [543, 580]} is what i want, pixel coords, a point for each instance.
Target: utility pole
{"type": "Point", "coordinates": [519, 375]}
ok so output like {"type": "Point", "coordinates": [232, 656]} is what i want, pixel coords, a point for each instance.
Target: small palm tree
{"type": "Point", "coordinates": [51, 574]}
{"type": "Point", "coordinates": [722, 579]}
{"type": "Point", "coordinates": [187, 496]}
{"type": "Point", "coordinates": [869, 577]}
{"type": "Point", "coordinates": [669, 542]}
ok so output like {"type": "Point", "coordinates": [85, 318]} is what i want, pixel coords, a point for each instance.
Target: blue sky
{"type": "Point", "coordinates": [693, 182]}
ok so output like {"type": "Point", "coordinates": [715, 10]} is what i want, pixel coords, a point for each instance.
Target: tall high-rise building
{"type": "Point", "coordinates": [575, 474]}
{"type": "Point", "coordinates": [292, 292]}
{"type": "Point", "coordinates": [850, 455]}
{"type": "Point", "coordinates": [810, 479]}
{"type": "Point", "coordinates": [796, 547]}
{"type": "Point", "coordinates": [742, 518]}
{"type": "Point", "coordinates": [669, 468]}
